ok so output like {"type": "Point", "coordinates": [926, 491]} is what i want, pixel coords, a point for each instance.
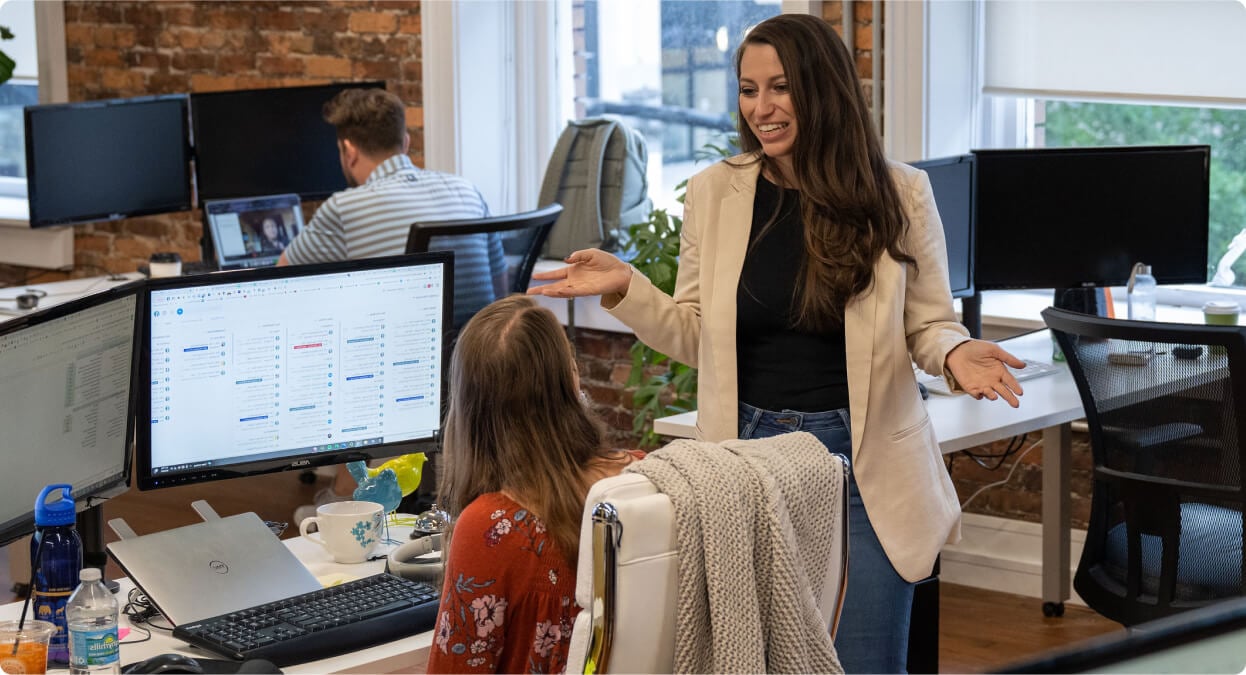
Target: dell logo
{"type": "Point", "coordinates": [218, 567]}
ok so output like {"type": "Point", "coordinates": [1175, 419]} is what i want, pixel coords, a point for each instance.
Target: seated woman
{"type": "Point", "coordinates": [520, 453]}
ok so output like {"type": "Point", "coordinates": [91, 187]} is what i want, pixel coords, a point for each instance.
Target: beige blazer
{"type": "Point", "coordinates": [899, 470]}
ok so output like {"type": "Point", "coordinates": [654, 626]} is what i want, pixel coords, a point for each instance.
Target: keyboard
{"type": "Point", "coordinates": [320, 624]}
{"type": "Point", "coordinates": [1032, 369]}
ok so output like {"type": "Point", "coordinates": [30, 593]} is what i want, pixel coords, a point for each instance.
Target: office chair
{"type": "Point", "coordinates": [628, 575]}
{"type": "Point", "coordinates": [524, 236]}
{"type": "Point", "coordinates": [1164, 405]}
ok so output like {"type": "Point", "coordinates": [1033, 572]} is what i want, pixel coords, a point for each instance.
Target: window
{"type": "Point", "coordinates": [20, 90]}
{"type": "Point", "coordinates": [667, 67]}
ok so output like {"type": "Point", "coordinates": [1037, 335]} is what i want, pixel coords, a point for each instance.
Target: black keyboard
{"type": "Point", "coordinates": [320, 624]}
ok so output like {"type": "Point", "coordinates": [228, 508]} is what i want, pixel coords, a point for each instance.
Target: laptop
{"type": "Point", "coordinates": [253, 231]}
{"type": "Point", "coordinates": [211, 568]}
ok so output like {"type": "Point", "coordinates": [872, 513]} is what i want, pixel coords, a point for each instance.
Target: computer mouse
{"type": "Point", "coordinates": [165, 663]}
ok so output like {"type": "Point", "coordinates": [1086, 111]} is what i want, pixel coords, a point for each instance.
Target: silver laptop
{"type": "Point", "coordinates": [253, 231]}
{"type": "Point", "coordinates": [211, 568]}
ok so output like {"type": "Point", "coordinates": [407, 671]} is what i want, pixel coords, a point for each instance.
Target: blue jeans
{"type": "Point", "coordinates": [874, 627]}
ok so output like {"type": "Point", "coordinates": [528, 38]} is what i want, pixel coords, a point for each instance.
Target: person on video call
{"type": "Point", "coordinates": [518, 463]}
{"type": "Point", "coordinates": [386, 193]}
{"type": "Point", "coordinates": [811, 270]}
{"type": "Point", "coordinates": [272, 235]}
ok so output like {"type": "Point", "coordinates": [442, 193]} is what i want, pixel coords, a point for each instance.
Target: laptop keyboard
{"type": "Point", "coordinates": [1032, 369]}
{"type": "Point", "coordinates": [320, 624]}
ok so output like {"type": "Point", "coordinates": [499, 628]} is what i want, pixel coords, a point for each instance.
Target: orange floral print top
{"type": "Point", "coordinates": [508, 600]}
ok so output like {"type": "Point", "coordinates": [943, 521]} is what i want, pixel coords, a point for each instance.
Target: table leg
{"type": "Point", "coordinates": [1057, 453]}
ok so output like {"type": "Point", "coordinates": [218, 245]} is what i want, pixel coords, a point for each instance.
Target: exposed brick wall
{"type": "Point", "coordinates": [124, 49]}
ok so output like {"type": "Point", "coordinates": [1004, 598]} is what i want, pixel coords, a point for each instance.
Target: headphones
{"type": "Point", "coordinates": [407, 562]}
{"type": "Point", "coordinates": [29, 299]}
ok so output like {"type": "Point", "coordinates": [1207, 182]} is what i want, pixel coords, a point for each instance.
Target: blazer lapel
{"type": "Point", "coordinates": [730, 230]}
{"type": "Point", "coordinates": [859, 331]}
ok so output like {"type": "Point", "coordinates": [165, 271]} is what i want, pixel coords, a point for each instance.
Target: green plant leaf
{"type": "Point", "coordinates": [6, 67]}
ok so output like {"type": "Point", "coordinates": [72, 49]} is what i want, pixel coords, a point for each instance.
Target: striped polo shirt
{"type": "Point", "coordinates": [374, 219]}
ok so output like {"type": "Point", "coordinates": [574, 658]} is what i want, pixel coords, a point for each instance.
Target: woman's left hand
{"type": "Point", "coordinates": [978, 367]}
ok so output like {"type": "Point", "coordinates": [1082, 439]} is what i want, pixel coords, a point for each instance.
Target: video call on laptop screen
{"type": "Point", "coordinates": [253, 231]}
{"type": "Point", "coordinates": [250, 374]}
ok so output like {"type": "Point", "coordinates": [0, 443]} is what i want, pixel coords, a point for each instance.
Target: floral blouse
{"type": "Point", "coordinates": [508, 600]}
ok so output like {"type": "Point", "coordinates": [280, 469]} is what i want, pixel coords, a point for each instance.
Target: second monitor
{"type": "Point", "coordinates": [288, 367]}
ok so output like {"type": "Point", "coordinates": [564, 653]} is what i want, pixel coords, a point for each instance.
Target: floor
{"type": "Point", "coordinates": [980, 631]}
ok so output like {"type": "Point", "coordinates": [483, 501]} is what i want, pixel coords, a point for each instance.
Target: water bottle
{"type": "Point", "coordinates": [55, 560]}
{"type": "Point", "coordinates": [1141, 292]}
{"type": "Point", "coordinates": [92, 619]}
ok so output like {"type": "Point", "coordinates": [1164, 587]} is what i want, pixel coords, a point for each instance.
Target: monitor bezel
{"type": "Point", "coordinates": [203, 195]}
{"type": "Point", "coordinates": [111, 486]}
{"type": "Point", "coordinates": [971, 160]}
{"type": "Point", "coordinates": [1052, 280]}
{"type": "Point", "coordinates": [145, 480]}
{"type": "Point", "coordinates": [32, 187]}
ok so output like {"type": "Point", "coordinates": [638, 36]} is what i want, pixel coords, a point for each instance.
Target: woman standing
{"type": "Point", "coordinates": [811, 271]}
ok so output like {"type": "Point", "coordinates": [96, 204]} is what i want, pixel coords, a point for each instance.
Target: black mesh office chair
{"type": "Point", "coordinates": [1164, 404]}
{"type": "Point", "coordinates": [523, 236]}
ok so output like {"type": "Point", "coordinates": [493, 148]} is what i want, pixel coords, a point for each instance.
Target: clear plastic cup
{"type": "Point", "coordinates": [1221, 313]}
{"type": "Point", "coordinates": [31, 655]}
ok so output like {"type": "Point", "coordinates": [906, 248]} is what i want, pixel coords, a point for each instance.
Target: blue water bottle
{"type": "Point", "coordinates": [56, 560]}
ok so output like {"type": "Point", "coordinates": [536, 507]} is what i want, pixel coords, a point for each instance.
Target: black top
{"type": "Point", "coordinates": [780, 367]}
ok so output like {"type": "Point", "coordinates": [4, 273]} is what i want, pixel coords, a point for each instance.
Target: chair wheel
{"type": "Point", "coordinates": [1053, 609]}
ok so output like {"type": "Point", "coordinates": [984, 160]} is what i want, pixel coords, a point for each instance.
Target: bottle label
{"type": "Point", "coordinates": [89, 648]}
{"type": "Point", "coordinates": [50, 607]}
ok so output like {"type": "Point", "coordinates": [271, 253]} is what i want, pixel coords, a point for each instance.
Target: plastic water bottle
{"type": "Point", "coordinates": [56, 559]}
{"type": "Point", "coordinates": [1141, 293]}
{"type": "Point", "coordinates": [92, 619]}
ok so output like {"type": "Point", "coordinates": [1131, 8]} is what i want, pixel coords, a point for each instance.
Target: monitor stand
{"type": "Point", "coordinates": [90, 526]}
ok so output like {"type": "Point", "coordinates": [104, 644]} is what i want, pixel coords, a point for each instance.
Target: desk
{"type": "Point", "coordinates": [406, 655]}
{"type": "Point", "coordinates": [58, 292]}
{"type": "Point", "coordinates": [1050, 403]}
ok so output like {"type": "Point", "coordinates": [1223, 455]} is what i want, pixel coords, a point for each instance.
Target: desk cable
{"type": "Point", "coordinates": [139, 610]}
{"type": "Point", "coordinates": [997, 483]}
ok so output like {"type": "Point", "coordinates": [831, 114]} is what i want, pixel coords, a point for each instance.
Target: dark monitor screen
{"type": "Point", "coordinates": [267, 142]}
{"type": "Point", "coordinates": [952, 181]}
{"type": "Point", "coordinates": [1075, 217]}
{"type": "Point", "coordinates": [277, 368]}
{"type": "Point", "coordinates": [106, 160]}
{"type": "Point", "coordinates": [67, 400]}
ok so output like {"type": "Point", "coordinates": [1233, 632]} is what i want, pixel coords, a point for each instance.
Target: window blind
{"type": "Point", "coordinates": [1161, 51]}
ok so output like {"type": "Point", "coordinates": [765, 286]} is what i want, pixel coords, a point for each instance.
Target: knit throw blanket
{"type": "Point", "coordinates": [754, 521]}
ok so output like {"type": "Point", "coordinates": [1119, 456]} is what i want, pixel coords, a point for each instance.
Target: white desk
{"type": "Point", "coordinates": [58, 292]}
{"type": "Point", "coordinates": [1050, 403]}
{"type": "Point", "coordinates": [405, 655]}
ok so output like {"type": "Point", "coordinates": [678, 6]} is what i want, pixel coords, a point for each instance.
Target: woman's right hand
{"type": "Point", "coordinates": [588, 272]}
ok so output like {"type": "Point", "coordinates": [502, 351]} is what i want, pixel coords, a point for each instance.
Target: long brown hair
{"type": "Point", "coordinates": [516, 423]}
{"type": "Point", "coordinates": [850, 205]}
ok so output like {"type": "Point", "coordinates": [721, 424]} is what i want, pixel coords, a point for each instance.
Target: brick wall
{"type": "Point", "coordinates": [124, 49]}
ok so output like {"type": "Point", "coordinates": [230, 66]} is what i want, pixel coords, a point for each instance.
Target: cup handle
{"type": "Point", "coordinates": [318, 539]}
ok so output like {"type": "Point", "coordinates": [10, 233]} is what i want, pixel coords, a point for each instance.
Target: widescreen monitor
{"type": "Point", "coordinates": [1081, 217]}
{"type": "Point", "coordinates": [267, 142]}
{"type": "Point", "coordinates": [277, 368]}
{"type": "Point", "coordinates": [952, 181]}
{"type": "Point", "coordinates": [67, 399]}
{"type": "Point", "coordinates": [107, 160]}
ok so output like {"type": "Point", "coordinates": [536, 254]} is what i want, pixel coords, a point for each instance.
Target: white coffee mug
{"type": "Point", "coordinates": [347, 530]}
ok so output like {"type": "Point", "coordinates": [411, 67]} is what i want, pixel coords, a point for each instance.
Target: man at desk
{"type": "Point", "coordinates": [386, 193]}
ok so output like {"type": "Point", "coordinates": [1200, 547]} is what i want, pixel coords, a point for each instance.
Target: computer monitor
{"type": "Point", "coordinates": [1081, 217]}
{"type": "Point", "coordinates": [952, 180]}
{"type": "Point", "coordinates": [263, 370]}
{"type": "Point", "coordinates": [267, 142]}
{"type": "Point", "coordinates": [68, 384]}
{"type": "Point", "coordinates": [107, 160]}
